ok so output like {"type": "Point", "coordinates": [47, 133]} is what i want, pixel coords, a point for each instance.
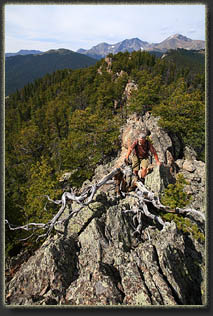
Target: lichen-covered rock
{"type": "Point", "coordinates": [107, 265]}
{"type": "Point", "coordinates": [137, 124]}
{"type": "Point", "coordinates": [189, 153]}
{"type": "Point", "coordinates": [43, 279]}
{"type": "Point", "coordinates": [130, 87]}
{"type": "Point", "coordinates": [194, 172]}
{"type": "Point", "coordinates": [98, 260]}
{"type": "Point", "coordinates": [159, 137]}
{"type": "Point", "coordinates": [159, 179]}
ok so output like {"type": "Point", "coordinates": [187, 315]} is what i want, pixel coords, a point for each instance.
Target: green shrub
{"type": "Point", "coordinates": [174, 195]}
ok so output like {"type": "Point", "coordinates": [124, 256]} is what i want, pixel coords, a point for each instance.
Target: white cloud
{"type": "Point", "coordinates": [83, 26]}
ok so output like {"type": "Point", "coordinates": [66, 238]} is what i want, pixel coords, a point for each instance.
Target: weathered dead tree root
{"type": "Point", "coordinates": [143, 198]}
{"type": "Point", "coordinates": [142, 195]}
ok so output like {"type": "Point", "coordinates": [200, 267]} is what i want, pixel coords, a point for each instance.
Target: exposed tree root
{"type": "Point", "coordinates": [142, 195]}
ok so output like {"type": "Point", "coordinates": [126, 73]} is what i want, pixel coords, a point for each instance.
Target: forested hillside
{"type": "Point", "coordinates": [192, 60]}
{"type": "Point", "coordinates": [23, 69]}
{"type": "Point", "coordinates": [71, 120]}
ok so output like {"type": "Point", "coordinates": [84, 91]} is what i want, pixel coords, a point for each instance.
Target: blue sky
{"type": "Point", "coordinates": [45, 27]}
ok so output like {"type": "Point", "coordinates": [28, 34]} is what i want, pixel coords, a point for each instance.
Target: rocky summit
{"type": "Point", "coordinates": [97, 259]}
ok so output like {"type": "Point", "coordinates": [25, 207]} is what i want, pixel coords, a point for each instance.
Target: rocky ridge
{"type": "Point", "coordinates": [97, 260]}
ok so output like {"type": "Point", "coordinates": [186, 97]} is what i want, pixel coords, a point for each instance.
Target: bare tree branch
{"type": "Point", "coordinates": [26, 227]}
{"type": "Point", "coordinates": [142, 196]}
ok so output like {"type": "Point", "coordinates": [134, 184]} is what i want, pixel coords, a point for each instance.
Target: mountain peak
{"type": "Point", "coordinates": [179, 37]}
{"type": "Point", "coordinates": [135, 44]}
{"type": "Point", "coordinates": [24, 52]}
{"type": "Point", "coordinates": [61, 51]}
{"type": "Point", "coordinates": [103, 49]}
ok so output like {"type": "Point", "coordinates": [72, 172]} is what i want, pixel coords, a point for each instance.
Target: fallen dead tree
{"type": "Point", "coordinates": [143, 198]}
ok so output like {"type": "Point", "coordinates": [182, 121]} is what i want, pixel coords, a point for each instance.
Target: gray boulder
{"type": "Point", "coordinates": [98, 260]}
{"type": "Point", "coordinates": [106, 265]}
{"type": "Point", "coordinates": [158, 180]}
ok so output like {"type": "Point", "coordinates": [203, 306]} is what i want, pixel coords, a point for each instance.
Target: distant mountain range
{"type": "Point", "coordinates": [173, 42]}
{"type": "Point", "coordinates": [24, 52]}
{"type": "Point", "coordinates": [22, 69]}
{"type": "Point", "coordinates": [27, 65]}
{"type": "Point", "coordinates": [103, 49]}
